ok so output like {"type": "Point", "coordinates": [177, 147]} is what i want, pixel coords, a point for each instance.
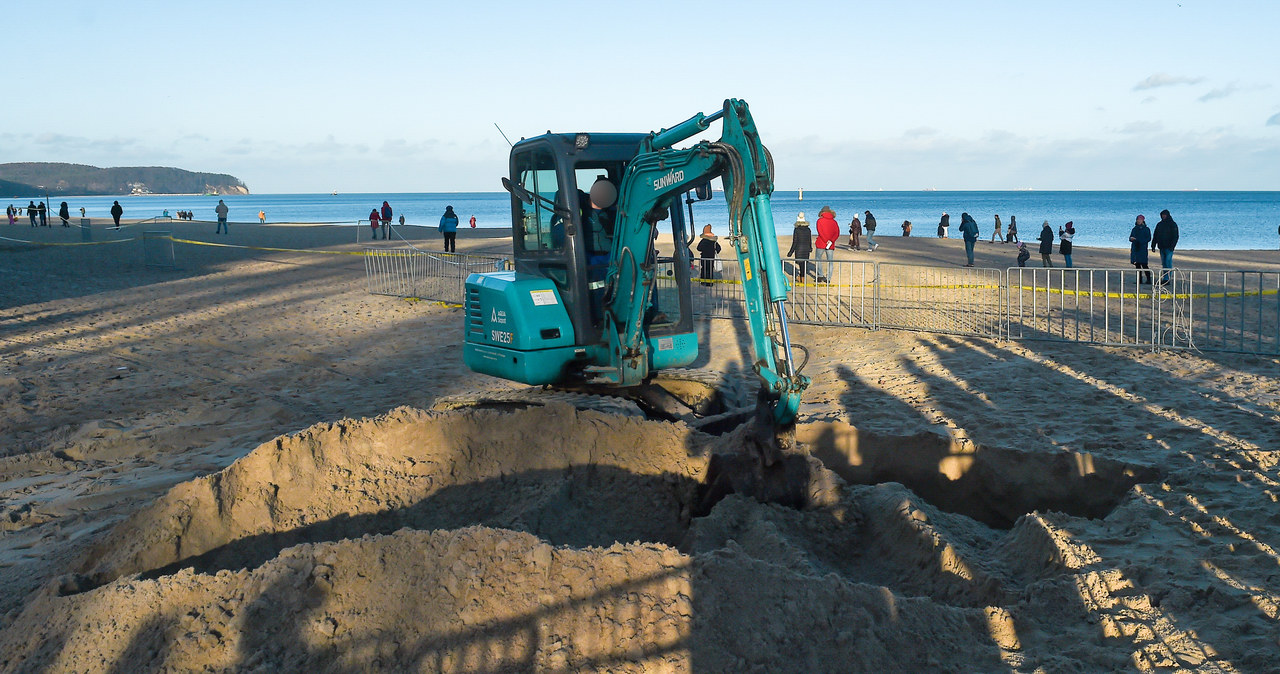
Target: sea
{"type": "Point", "coordinates": [1206, 220]}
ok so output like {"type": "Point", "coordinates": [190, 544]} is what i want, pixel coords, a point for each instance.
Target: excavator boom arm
{"type": "Point", "coordinates": [656, 174]}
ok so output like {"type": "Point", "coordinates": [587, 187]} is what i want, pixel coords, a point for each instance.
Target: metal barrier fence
{"type": "Point", "coordinates": [1235, 311]}
{"type": "Point", "coordinates": [845, 297]}
{"type": "Point", "coordinates": [1232, 311]}
{"type": "Point", "coordinates": [157, 250]}
{"type": "Point", "coordinates": [410, 272]}
{"type": "Point", "coordinates": [954, 300]}
{"type": "Point", "coordinates": [1098, 306]}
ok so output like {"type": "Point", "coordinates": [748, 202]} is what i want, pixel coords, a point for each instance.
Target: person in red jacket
{"type": "Point", "coordinates": [374, 218]}
{"type": "Point", "coordinates": [828, 233]}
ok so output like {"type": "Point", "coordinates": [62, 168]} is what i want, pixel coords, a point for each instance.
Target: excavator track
{"type": "Point", "coordinates": [704, 399]}
{"type": "Point", "coordinates": [507, 399]}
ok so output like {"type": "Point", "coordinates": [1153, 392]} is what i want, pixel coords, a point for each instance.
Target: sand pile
{"type": "Point", "coordinates": [549, 538]}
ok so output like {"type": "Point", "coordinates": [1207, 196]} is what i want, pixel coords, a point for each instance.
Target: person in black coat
{"type": "Point", "coordinates": [1046, 245]}
{"type": "Point", "coordinates": [1139, 236]}
{"type": "Point", "coordinates": [1166, 239]}
{"type": "Point", "coordinates": [65, 214]}
{"type": "Point", "coordinates": [801, 247]}
{"type": "Point", "coordinates": [708, 248]}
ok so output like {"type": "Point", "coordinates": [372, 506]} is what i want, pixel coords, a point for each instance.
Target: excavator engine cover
{"type": "Point", "coordinates": [517, 328]}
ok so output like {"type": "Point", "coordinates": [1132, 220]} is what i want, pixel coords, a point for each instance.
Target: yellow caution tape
{"type": "Point", "coordinates": [1143, 296]}
{"type": "Point", "coordinates": [67, 243]}
{"type": "Point", "coordinates": [279, 250]}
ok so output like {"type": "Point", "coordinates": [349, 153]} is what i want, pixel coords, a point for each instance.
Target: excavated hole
{"type": "Point", "coordinates": [570, 477]}
{"type": "Point", "coordinates": [993, 485]}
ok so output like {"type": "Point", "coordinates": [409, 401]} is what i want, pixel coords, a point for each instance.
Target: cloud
{"type": "Point", "coordinates": [1273, 120]}
{"type": "Point", "coordinates": [1165, 80]}
{"type": "Point", "coordinates": [920, 131]}
{"type": "Point", "coordinates": [1146, 159]}
{"type": "Point", "coordinates": [1220, 92]}
{"type": "Point", "coordinates": [60, 142]}
{"type": "Point", "coordinates": [1134, 128]}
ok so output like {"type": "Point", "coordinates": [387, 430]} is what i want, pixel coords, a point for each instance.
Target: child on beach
{"type": "Point", "coordinates": [996, 235]}
{"type": "Point", "coordinates": [1023, 254]}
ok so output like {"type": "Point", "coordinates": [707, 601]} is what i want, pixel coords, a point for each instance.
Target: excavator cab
{"type": "Point", "coordinates": [542, 323]}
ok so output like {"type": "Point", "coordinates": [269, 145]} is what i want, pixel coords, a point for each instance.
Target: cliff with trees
{"type": "Point", "coordinates": [59, 179]}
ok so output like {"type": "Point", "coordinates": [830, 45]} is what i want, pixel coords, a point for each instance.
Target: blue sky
{"type": "Point", "coordinates": [402, 96]}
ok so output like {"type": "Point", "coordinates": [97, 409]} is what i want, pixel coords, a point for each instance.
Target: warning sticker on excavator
{"type": "Point", "coordinates": [746, 268]}
{"type": "Point", "coordinates": [666, 343]}
{"type": "Point", "coordinates": [542, 298]}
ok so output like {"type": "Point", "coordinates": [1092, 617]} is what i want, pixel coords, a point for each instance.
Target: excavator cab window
{"type": "Point", "coordinates": [542, 223]}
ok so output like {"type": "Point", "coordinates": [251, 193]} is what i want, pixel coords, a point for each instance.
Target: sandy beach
{"type": "Point", "coordinates": [233, 464]}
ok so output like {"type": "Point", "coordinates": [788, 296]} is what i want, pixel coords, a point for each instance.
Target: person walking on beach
{"type": "Point", "coordinates": [1065, 234]}
{"type": "Point", "coordinates": [44, 214]}
{"type": "Point", "coordinates": [82, 211]}
{"type": "Point", "coordinates": [449, 228]}
{"type": "Point", "coordinates": [402, 219]}
{"type": "Point", "coordinates": [828, 232]}
{"type": "Point", "coordinates": [969, 229]}
{"type": "Point", "coordinates": [11, 213]}
{"type": "Point", "coordinates": [262, 217]}
{"type": "Point", "coordinates": [1046, 245]}
{"type": "Point", "coordinates": [869, 222]}
{"type": "Point", "coordinates": [906, 228]}
{"type": "Point", "coordinates": [1012, 237]}
{"type": "Point", "coordinates": [386, 220]}
{"type": "Point", "coordinates": [855, 233]}
{"type": "Point", "coordinates": [1139, 237]}
{"type": "Point", "coordinates": [997, 235]}
{"type": "Point", "coordinates": [116, 211]}
{"type": "Point", "coordinates": [708, 248]}
{"type": "Point", "coordinates": [473, 222]}
{"type": "Point", "coordinates": [221, 210]}
{"type": "Point", "coordinates": [1023, 254]}
{"type": "Point", "coordinates": [943, 225]}
{"type": "Point", "coordinates": [801, 247]}
{"type": "Point", "coordinates": [64, 214]}
{"type": "Point", "coordinates": [1166, 239]}
{"type": "Point", "coordinates": [373, 222]}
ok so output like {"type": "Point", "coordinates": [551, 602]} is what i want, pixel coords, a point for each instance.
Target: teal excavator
{"type": "Point", "coordinates": [591, 305]}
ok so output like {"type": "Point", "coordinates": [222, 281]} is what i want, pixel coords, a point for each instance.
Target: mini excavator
{"type": "Point", "coordinates": [590, 305]}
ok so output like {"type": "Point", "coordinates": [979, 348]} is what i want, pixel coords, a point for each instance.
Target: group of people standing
{"type": "Point", "coordinates": [1164, 239]}
{"type": "Point", "coordinates": [1066, 235]}
{"type": "Point", "coordinates": [382, 218]}
{"type": "Point", "coordinates": [803, 243]}
{"type": "Point", "coordinates": [38, 214]}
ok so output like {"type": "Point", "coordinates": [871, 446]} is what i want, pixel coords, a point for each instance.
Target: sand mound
{"type": "Point", "coordinates": [545, 538]}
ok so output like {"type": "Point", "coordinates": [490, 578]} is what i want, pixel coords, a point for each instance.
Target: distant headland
{"type": "Point", "coordinates": [34, 178]}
